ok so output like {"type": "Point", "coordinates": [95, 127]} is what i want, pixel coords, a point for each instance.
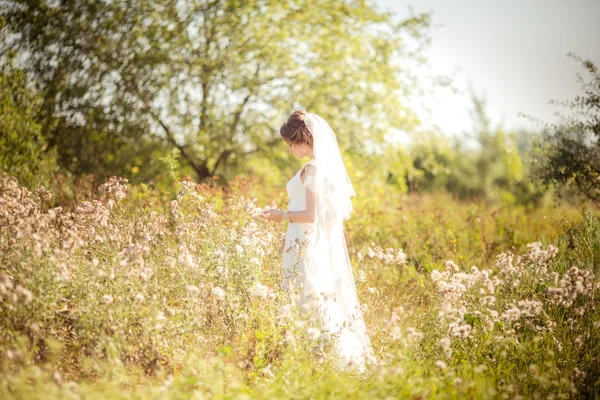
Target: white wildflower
{"type": "Point", "coordinates": [260, 290]}
{"type": "Point", "coordinates": [441, 365]}
{"type": "Point", "coordinates": [435, 275]}
{"type": "Point", "coordinates": [285, 311]}
{"type": "Point", "coordinates": [313, 333]}
{"type": "Point", "coordinates": [218, 293]}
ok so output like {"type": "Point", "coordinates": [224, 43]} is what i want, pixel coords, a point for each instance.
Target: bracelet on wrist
{"type": "Point", "coordinates": [286, 216]}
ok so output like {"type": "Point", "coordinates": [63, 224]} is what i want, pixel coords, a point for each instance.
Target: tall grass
{"type": "Point", "coordinates": [133, 295]}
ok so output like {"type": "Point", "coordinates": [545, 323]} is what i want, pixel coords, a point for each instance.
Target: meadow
{"type": "Point", "coordinates": [134, 292]}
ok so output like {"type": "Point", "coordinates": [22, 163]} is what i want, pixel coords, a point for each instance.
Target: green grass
{"type": "Point", "coordinates": [149, 299]}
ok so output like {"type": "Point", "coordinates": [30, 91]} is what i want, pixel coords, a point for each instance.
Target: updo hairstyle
{"type": "Point", "coordinates": [295, 130]}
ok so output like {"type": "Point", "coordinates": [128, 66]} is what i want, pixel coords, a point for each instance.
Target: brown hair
{"type": "Point", "coordinates": [295, 130]}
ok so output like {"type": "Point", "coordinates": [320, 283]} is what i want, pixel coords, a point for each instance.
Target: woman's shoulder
{"type": "Point", "coordinates": [308, 169]}
{"type": "Point", "coordinates": [312, 161]}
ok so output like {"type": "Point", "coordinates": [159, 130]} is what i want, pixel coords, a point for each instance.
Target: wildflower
{"type": "Point", "coordinates": [460, 331]}
{"type": "Point", "coordinates": [26, 293]}
{"type": "Point", "coordinates": [218, 293]}
{"type": "Point", "coordinates": [395, 333]}
{"type": "Point", "coordinates": [530, 308]}
{"type": "Point", "coordinates": [577, 374]}
{"type": "Point", "coordinates": [362, 277]}
{"type": "Point", "coordinates": [13, 354]}
{"type": "Point", "coordinates": [116, 186]}
{"type": "Point", "coordinates": [285, 312]}
{"type": "Point", "coordinates": [313, 333]}
{"type": "Point", "coordinates": [239, 249]}
{"type": "Point", "coordinates": [512, 314]}
{"type": "Point", "coordinates": [255, 261]}
{"type": "Point", "coordinates": [266, 371]}
{"type": "Point", "coordinates": [245, 241]}
{"type": "Point", "coordinates": [441, 365]}
{"type": "Point", "coordinates": [43, 193]}
{"type": "Point", "coordinates": [289, 338]}
{"type": "Point", "coordinates": [445, 342]}
{"type": "Point", "coordinates": [260, 290]}
{"type": "Point", "coordinates": [451, 266]}
{"type": "Point", "coordinates": [107, 298]}
{"type": "Point", "coordinates": [533, 369]}
{"type": "Point", "coordinates": [435, 275]}
{"type": "Point", "coordinates": [489, 300]}
{"type": "Point", "coordinates": [140, 297]}
{"type": "Point", "coordinates": [413, 333]}
{"type": "Point", "coordinates": [399, 257]}
{"type": "Point", "coordinates": [370, 252]}
{"type": "Point", "coordinates": [192, 289]}
{"type": "Point", "coordinates": [480, 368]}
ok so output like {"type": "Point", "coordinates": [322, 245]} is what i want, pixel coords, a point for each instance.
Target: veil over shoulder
{"type": "Point", "coordinates": [331, 180]}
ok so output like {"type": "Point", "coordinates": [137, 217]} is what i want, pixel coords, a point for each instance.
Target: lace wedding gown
{"type": "Point", "coordinates": [308, 265]}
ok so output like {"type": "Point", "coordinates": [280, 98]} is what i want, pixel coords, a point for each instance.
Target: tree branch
{"type": "Point", "coordinates": [236, 121]}
{"type": "Point", "coordinates": [201, 169]}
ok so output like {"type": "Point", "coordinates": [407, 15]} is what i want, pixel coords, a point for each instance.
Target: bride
{"type": "Point", "coordinates": [315, 256]}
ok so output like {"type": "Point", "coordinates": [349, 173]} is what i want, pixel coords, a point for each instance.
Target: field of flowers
{"type": "Point", "coordinates": [139, 294]}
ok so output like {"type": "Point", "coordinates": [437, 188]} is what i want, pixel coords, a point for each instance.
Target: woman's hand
{"type": "Point", "coordinates": [274, 214]}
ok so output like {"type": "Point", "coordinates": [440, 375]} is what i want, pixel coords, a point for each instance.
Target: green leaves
{"type": "Point", "coordinates": [568, 157]}
{"type": "Point", "coordinates": [23, 152]}
{"type": "Point", "coordinates": [212, 79]}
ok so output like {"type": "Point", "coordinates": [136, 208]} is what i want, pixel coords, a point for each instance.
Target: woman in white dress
{"type": "Point", "coordinates": [315, 259]}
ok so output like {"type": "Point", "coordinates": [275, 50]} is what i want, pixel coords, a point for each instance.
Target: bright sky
{"type": "Point", "coordinates": [512, 51]}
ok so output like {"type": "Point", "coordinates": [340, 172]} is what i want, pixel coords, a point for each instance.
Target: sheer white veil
{"type": "Point", "coordinates": [331, 184]}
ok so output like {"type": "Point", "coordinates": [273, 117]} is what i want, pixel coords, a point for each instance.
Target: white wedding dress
{"type": "Point", "coordinates": [309, 262]}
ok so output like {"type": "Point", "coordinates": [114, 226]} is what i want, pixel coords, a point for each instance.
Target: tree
{"type": "Point", "coordinates": [22, 144]}
{"type": "Point", "coordinates": [569, 152]}
{"type": "Point", "coordinates": [212, 79]}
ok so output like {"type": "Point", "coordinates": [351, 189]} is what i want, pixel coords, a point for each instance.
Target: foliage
{"type": "Point", "coordinates": [493, 168]}
{"type": "Point", "coordinates": [24, 151]}
{"type": "Point", "coordinates": [569, 153]}
{"type": "Point", "coordinates": [124, 80]}
{"type": "Point", "coordinates": [139, 295]}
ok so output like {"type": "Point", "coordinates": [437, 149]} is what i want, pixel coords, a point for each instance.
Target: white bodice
{"type": "Point", "coordinates": [296, 191]}
{"type": "Point", "coordinates": [297, 202]}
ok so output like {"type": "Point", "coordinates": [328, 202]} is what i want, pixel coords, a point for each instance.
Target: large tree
{"type": "Point", "coordinates": [211, 78]}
